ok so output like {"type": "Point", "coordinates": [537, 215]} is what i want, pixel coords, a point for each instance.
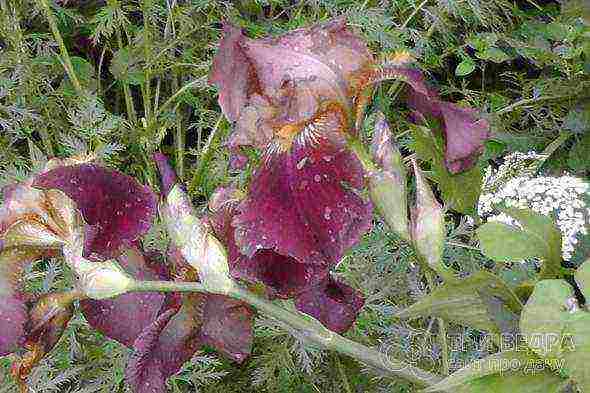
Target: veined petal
{"type": "Point", "coordinates": [282, 276]}
{"type": "Point", "coordinates": [302, 204]}
{"type": "Point", "coordinates": [117, 207]}
{"type": "Point", "coordinates": [334, 304]}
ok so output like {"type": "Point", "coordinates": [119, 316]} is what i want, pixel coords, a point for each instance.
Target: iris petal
{"type": "Point", "coordinates": [115, 205]}
{"type": "Point", "coordinates": [334, 304]}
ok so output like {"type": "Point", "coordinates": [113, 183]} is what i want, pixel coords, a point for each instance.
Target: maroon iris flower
{"type": "Point", "coordinates": [164, 330]}
{"type": "Point", "coordinates": [291, 97]}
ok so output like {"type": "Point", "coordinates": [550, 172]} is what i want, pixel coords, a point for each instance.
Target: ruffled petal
{"type": "Point", "coordinates": [334, 304]}
{"type": "Point", "coordinates": [139, 309]}
{"type": "Point", "coordinates": [232, 73]}
{"type": "Point", "coordinates": [302, 204]}
{"type": "Point", "coordinates": [268, 83]}
{"type": "Point", "coordinates": [115, 205]}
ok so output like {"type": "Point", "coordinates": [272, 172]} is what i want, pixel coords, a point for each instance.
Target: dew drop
{"type": "Point", "coordinates": [317, 178]}
{"type": "Point", "coordinates": [327, 213]}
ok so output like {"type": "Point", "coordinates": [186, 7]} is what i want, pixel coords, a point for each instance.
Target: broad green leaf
{"type": "Point", "coordinates": [482, 374]}
{"type": "Point", "coordinates": [544, 317]}
{"type": "Point", "coordinates": [515, 382]}
{"type": "Point", "coordinates": [460, 192]}
{"type": "Point", "coordinates": [582, 278]}
{"type": "Point", "coordinates": [502, 242]}
{"type": "Point", "coordinates": [126, 67]}
{"type": "Point", "coordinates": [539, 237]}
{"type": "Point", "coordinates": [558, 330]}
{"type": "Point", "coordinates": [466, 302]}
{"type": "Point", "coordinates": [466, 67]}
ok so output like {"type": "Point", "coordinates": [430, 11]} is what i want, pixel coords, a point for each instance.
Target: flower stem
{"type": "Point", "coordinates": [310, 329]}
{"type": "Point", "coordinates": [67, 62]}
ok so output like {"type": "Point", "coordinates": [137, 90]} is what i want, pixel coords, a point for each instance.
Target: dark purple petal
{"type": "Point", "coordinates": [283, 276]}
{"type": "Point", "coordinates": [139, 309]}
{"type": "Point", "coordinates": [307, 193]}
{"type": "Point", "coordinates": [465, 135]}
{"type": "Point", "coordinates": [227, 326]}
{"type": "Point", "coordinates": [334, 304]}
{"type": "Point", "coordinates": [144, 372]}
{"type": "Point", "coordinates": [116, 205]}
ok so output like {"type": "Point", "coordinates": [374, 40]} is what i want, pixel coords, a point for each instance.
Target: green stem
{"type": "Point", "coordinates": [529, 101]}
{"type": "Point", "coordinates": [126, 90]}
{"type": "Point", "coordinates": [205, 156]}
{"type": "Point", "coordinates": [170, 100]}
{"type": "Point", "coordinates": [146, 90]}
{"type": "Point", "coordinates": [413, 14]}
{"type": "Point", "coordinates": [67, 62]}
{"type": "Point", "coordinates": [309, 328]}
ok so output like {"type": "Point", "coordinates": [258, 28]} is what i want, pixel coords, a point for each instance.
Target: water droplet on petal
{"type": "Point", "coordinates": [317, 178]}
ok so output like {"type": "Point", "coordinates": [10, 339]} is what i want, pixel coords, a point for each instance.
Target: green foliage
{"type": "Point", "coordinates": [144, 66]}
{"type": "Point", "coordinates": [470, 302]}
{"type": "Point", "coordinates": [539, 237]}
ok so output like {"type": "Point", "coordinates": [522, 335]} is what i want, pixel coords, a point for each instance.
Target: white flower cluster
{"type": "Point", "coordinates": [514, 184]}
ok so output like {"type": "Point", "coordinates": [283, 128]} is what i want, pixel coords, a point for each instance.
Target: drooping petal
{"type": "Point", "coordinates": [227, 326]}
{"type": "Point", "coordinates": [302, 204]}
{"type": "Point", "coordinates": [334, 304]}
{"type": "Point", "coordinates": [465, 132]}
{"type": "Point", "coordinates": [117, 207]}
{"type": "Point", "coordinates": [226, 323]}
{"type": "Point", "coordinates": [282, 276]}
{"type": "Point", "coordinates": [13, 312]}
{"type": "Point", "coordinates": [144, 373]}
{"type": "Point", "coordinates": [139, 309]}
{"type": "Point", "coordinates": [465, 135]}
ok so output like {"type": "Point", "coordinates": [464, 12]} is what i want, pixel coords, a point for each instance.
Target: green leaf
{"type": "Point", "coordinates": [126, 67]}
{"type": "Point", "coordinates": [524, 381]}
{"type": "Point", "coordinates": [539, 237]}
{"type": "Point", "coordinates": [466, 67]}
{"type": "Point", "coordinates": [578, 155]}
{"type": "Point", "coordinates": [466, 302]}
{"type": "Point", "coordinates": [557, 31]}
{"type": "Point", "coordinates": [482, 375]}
{"type": "Point", "coordinates": [582, 277]}
{"type": "Point", "coordinates": [558, 330]}
{"type": "Point", "coordinates": [496, 55]}
{"type": "Point", "coordinates": [459, 191]}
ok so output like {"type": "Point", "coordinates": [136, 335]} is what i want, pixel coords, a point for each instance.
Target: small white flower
{"type": "Point", "coordinates": [515, 184]}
